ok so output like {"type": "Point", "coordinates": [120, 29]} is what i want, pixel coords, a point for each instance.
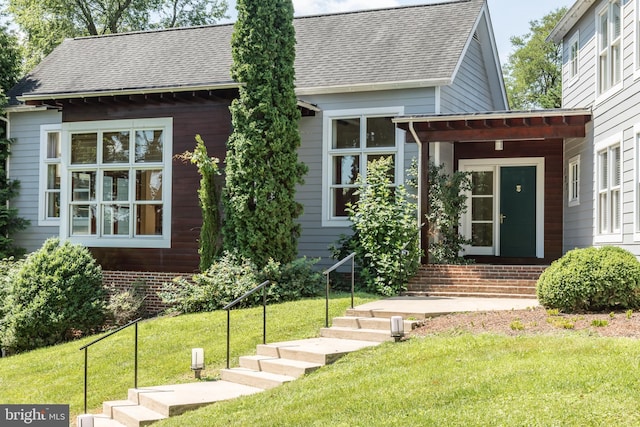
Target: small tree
{"type": "Point", "coordinates": [385, 231]}
{"type": "Point", "coordinates": [262, 167]}
{"type": "Point", "coordinates": [209, 195]}
{"type": "Point", "coordinates": [447, 203]}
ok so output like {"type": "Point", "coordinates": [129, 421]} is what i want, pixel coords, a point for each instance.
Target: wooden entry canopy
{"type": "Point", "coordinates": [498, 125]}
{"type": "Point", "coordinates": [526, 126]}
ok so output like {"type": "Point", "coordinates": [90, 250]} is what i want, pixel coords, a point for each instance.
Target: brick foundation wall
{"type": "Point", "coordinates": [122, 280]}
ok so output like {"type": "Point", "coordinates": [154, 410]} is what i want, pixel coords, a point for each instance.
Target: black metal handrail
{"type": "Point", "coordinates": [326, 273]}
{"type": "Point", "coordinates": [229, 306]}
{"type": "Point", "coordinates": [86, 356]}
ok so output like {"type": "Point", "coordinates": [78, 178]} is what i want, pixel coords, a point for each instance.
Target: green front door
{"type": "Point", "coordinates": [517, 218]}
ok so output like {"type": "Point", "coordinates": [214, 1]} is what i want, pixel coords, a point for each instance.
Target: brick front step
{"type": "Point", "coordinates": [478, 280]}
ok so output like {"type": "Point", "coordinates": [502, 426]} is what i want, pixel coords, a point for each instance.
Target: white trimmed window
{"type": "Point", "coordinates": [50, 175]}
{"type": "Point", "coordinates": [574, 57]}
{"type": "Point", "coordinates": [574, 181]}
{"type": "Point", "coordinates": [352, 138]}
{"type": "Point", "coordinates": [116, 187]}
{"type": "Point", "coordinates": [609, 178]}
{"type": "Point", "coordinates": [609, 27]}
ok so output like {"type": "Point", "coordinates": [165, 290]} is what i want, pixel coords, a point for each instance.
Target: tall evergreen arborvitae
{"type": "Point", "coordinates": [262, 167]}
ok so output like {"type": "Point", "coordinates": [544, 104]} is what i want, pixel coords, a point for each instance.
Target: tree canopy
{"type": "Point", "coordinates": [533, 72]}
{"type": "Point", "coordinates": [262, 167]}
{"type": "Point", "coordinates": [46, 23]}
{"type": "Point", "coordinates": [10, 61]}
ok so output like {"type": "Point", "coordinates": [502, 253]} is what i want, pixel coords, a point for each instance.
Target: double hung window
{"type": "Point", "coordinates": [609, 24]}
{"type": "Point", "coordinates": [609, 178]}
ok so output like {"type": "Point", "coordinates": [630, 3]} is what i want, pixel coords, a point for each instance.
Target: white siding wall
{"type": "Point", "coordinates": [24, 165]}
{"type": "Point", "coordinates": [614, 115]}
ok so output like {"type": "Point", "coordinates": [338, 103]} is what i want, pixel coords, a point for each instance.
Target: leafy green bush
{"type": "Point", "coordinates": [385, 232]}
{"type": "Point", "coordinates": [56, 295]}
{"type": "Point", "coordinates": [591, 279]}
{"type": "Point", "coordinates": [126, 305]}
{"type": "Point", "coordinates": [234, 275]}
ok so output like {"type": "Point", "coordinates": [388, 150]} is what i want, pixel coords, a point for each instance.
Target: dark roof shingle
{"type": "Point", "coordinates": [404, 44]}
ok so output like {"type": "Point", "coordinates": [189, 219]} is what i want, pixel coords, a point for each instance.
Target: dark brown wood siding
{"type": "Point", "coordinates": [551, 150]}
{"type": "Point", "coordinates": [209, 118]}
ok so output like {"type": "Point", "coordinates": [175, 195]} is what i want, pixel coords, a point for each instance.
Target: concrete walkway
{"type": "Point", "coordinates": [421, 307]}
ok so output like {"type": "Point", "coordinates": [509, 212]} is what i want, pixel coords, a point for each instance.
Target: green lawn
{"type": "Point", "coordinates": [444, 380]}
{"type": "Point", "coordinates": [55, 374]}
{"type": "Point", "coordinates": [454, 380]}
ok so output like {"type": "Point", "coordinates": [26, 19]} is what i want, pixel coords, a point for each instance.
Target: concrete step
{"type": "Point", "coordinates": [135, 415]}
{"type": "Point", "coordinates": [101, 420]}
{"type": "Point", "coordinates": [376, 335]}
{"type": "Point", "coordinates": [322, 351]}
{"type": "Point", "coordinates": [387, 314]}
{"type": "Point", "coordinates": [259, 379]}
{"type": "Point", "coordinates": [381, 324]}
{"type": "Point", "coordinates": [292, 368]}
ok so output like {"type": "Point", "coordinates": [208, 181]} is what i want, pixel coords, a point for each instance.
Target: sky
{"type": "Point", "coordinates": [509, 17]}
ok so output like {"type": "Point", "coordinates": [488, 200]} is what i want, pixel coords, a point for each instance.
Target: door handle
{"type": "Point", "coordinates": [502, 217]}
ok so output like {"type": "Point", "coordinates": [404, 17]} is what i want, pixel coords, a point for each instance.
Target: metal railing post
{"type": "Point", "coordinates": [264, 315]}
{"type": "Point", "coordinates": [86, 357]}
{"type": "Point", "coordinates": [353, 278]}
{"type": "Point", "coordinates": [135, 360]}
{"type": "Point", "coordinates": [327, 272]}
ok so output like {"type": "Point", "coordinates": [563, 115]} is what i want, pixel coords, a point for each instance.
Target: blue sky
{"type": "Point", "coordinates": [509, 17]}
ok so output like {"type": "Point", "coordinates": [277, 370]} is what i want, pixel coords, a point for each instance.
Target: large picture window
{"type": "Point", "coordinates": [352, 140]}
{"type": "Point", "coordinates": [118, 183]}
{"type": "Point", "coordinates": [609, 24]}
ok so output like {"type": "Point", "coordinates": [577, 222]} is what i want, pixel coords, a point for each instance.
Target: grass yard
{"type": "Point", "coordinates": [454, 380]}
{"type": "Point", "coordinates": [54, 375]}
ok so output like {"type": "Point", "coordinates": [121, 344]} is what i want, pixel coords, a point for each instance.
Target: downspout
{"type": "Point", "coordinates": [424, 232]}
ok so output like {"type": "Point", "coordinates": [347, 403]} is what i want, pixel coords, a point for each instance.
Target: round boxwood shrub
{"type": "Point", "coordinates": [56, 295]}
{"type": "Point", "coordinates": [591, 279]}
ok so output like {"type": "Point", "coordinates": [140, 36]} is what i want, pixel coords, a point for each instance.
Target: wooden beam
{"type": "Point", "coordinates": [549, 132]}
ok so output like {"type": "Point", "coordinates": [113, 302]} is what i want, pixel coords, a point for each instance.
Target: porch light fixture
{"type": "Point", "coordinates": [397, 327]}
{"type": "Point", "coordinates": [197, 361]}
{"type": "Point", "coordinates": [84, 420]}
{"type": "Point", "coordinates": [499, 145]}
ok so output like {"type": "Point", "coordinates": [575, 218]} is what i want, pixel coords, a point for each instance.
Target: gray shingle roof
{"type": "Point", "coordinates": [405, 44]}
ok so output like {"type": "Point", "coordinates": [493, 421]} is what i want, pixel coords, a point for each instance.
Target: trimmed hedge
{"type": "Point", "coordinates": [591, 279]}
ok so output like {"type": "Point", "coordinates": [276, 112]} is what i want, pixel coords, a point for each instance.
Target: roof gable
{"type": "Point", "coordinates": [406, 46]}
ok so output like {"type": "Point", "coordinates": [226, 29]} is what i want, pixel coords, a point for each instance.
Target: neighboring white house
{"type": "Point", "coordinates": [601, 71]}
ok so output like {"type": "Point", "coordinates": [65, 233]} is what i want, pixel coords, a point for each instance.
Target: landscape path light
{"type": "Point", "coordinates": [197, 361]}
{"type": "Point", "coordinates": [397, 327]}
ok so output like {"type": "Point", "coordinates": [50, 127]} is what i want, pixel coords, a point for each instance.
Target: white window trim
{"type": "Point", "coordinates": [328, 220]}
{"type": "Point", "coordinates": [573, 201]}
{"type": "Point", "coordinates": [163, 241]}
{"type": "Point", "coordinates": [609, 92]}
{"type": "Point", "coordinates": [571, 79]}
{"type": "Point", "coordinates": [636, 40]}
{"type": "Point", "coordinates": [539, 163]}
{"type": "Point", "coordinates": [605, 144]}
{"type": "Point", "coordinates": [43, 220]}
{"type": "Point", "coordinates": [636, 185]}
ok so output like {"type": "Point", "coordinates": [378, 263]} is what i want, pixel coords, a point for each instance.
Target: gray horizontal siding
{"type": "Point", "coordinates": [24, 165]}
{"type": "Point", "coordinates": [316, 239]}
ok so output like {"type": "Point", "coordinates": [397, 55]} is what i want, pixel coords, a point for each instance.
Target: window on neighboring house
{"type": "Point", "coordinates": [50, 173]}
{"type": "Point", "coordinates": [609, 23]}
{"type": "Point", "coordinates": [609, 179]}
{"type": "Point", "coordinates": [574, 57]}
{"type": "Point", "coordinates": [118, 183]}
{"type": "Point", "coordinates": [351, 141]}
{"type": "Point", "coordinates": [574, 181]}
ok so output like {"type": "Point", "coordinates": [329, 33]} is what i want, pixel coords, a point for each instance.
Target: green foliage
{"type": "Point", "coordinates": [126, 305]}
{"type": "Point", "coordinates": [233, 275]}
{"type": "Point", "coordinates": [46, 23]}
{"type": "Point", "coordinates": [55, 295]}
{"type": "Point", "coordinates": [262, 168]}
{"type": "Point", "coordinates": [385, 231]}
{"type": "Point", "coordinates": [209, 195]}
{"type": "Point", "coordinates": [10, 222]}
{"type": "Point", "coordinates": [591, 279]}
{"type": "Point", "coordinates": [533, 72]}
{"type": "Point", "coordinates": [10, 60]}
{"type": "Point", "coordinates": [447, 203]}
